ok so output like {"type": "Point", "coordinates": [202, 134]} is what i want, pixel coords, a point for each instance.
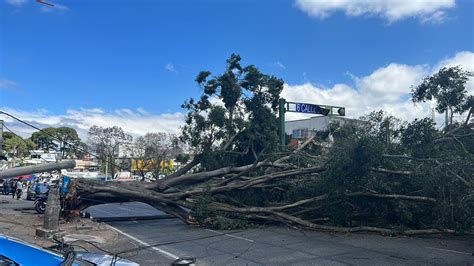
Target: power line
{"type": "Point", "coordinates": [73, 145]}
{"type": "Point", "coordinates": [117, 255]}
{"type": "Point", "coordinates": [49, 135]}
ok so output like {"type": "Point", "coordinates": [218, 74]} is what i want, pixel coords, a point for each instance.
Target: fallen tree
{"type": "Point", "coordinates": [378, 175]}
{"type": "Point", "coordinates": [308, 195]}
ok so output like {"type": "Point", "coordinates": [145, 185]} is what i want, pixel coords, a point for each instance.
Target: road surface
{"type": "Point", "coordinates": [282, 246]}
{"type": "Point", "coordinates": [265, 246]}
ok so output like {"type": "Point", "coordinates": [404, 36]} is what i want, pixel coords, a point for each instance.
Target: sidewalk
{"type": "Point", "coordinates": [18, 219]}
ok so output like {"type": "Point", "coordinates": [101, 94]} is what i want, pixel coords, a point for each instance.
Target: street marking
{"type": "Point", "coordinates": [164, 252]}
{"type": "Point", "coordinates": [449, 250]}
{"type": "Point", "coordinates": [229, 235]}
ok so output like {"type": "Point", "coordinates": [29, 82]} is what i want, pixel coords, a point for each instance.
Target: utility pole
{"type": "Point", "coordinates": [1, 137]}
{"type": "Point", "coordinates": [281, 113]}
{"type": "Point", "coordinates": [53, 209]}
{"type": "Point", "coordinates": [53, 206]}
{"type": "Point", "coordinates": [39, 168]}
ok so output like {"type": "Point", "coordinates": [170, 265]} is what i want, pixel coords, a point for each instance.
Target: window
{"type": "Point", "coordinates": [4, 261]}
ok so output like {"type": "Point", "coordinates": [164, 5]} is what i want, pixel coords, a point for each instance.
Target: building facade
{"type": "Point", "coordinates": [306, 128]}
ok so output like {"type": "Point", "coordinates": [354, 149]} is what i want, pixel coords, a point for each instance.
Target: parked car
{"type": "Point", "coordinates": [17, 252]}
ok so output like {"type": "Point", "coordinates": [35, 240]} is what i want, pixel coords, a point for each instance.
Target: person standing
{"type": "Point", "coordinates": [19, 189]}
{"type": "Point", "coordinates": [13, 187]}
{"type": "Point", "coordinates": [6, 187]}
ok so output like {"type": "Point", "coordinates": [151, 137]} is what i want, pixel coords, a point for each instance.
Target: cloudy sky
{"type": "Point", "coordinates": [132, 63]}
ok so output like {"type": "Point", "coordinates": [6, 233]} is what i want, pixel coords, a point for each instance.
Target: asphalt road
{"type": "Point", "coordinates": [269, 245]}
{"type": "Point", "coordinates": [282, 246]}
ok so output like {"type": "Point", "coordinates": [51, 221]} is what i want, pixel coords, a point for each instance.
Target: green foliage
{"type": "Point", "coordinates": [206, 216]}
{"type": "Point", "coordinates": [200, 210]}
{"type": "Point", "coordinates": [45, 139]}
{"type": "Point", "coordinates": [418, 137]}
{"type": "Point", "coordinates": [16, 146]}
{"type": "Point", "coordinates": [379, 155]}
{"type": "Point", "coordinates": [62, 139]}
{"type": "Point", "coordinates": [448, 88]}
{"type": "Point", "coordinates": [238, 106]}
{"type": "Point", "coordinates": [356, 151]}
{"type": "Point", "coordinates": [182, 158]}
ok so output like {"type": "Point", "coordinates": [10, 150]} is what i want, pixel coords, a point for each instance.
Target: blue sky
{"type": "Point", "coordinates": [140, 58]}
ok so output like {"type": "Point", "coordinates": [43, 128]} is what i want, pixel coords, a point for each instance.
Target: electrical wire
{"type": "Point", "coordinates": [9, 130]}
{"type": "Point", "coordinates": [74, 145]}
{"type": "Point", "coordinates": [116, 256]}
{"type": "Point", "coordinates": [174, 242]}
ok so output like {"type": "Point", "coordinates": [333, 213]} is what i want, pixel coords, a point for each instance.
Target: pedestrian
{"type": "Point", "coordinates": [6, 187]}
{"type": "Point", "coordinates": [19, 189]}
{"type": "Point", "coordinates": [13, 187]}
{"type": "Point", "coordinates": [37, 188]}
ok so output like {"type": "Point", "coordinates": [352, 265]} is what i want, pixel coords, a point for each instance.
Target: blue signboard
{"type": "Point", "coordinates": [311, 109]}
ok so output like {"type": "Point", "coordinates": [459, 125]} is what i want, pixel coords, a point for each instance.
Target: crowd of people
{"type": "Point", "coordinates": [18, 186]}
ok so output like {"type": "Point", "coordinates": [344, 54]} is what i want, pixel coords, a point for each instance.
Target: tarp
{"type": "Point", "coordinates": [26, 177]}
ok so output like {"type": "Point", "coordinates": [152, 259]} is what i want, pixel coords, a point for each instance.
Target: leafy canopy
{"type": "Point", "coordinates": [17, 146]}
{"type": "Point", "coordinates": [448, 88]}
{"type": "Point", "coordinates": [236, 111]}
{"type": "Point", "coordinates": [62, 139]}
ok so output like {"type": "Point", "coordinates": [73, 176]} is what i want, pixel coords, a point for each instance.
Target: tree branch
{"type": "Point", "coordinates": [392, 196]}
{"type": "Point", "coordinates": [386, 171]}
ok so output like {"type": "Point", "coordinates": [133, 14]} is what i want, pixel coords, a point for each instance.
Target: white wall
{"type": "Point", "coordinates": [317, 123]}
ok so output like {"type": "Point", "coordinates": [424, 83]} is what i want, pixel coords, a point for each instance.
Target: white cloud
{"type": "Point", "coordinates": [386, 88]}
{"type": "Point", "coordinates": [7, 84]}
{"type": "Point", "coordinates": [135, 122]}
{"type": "Point", "coordinates": [279, 65]}
{"type": "Point", "coordinates": [390, 10]}
{"type": "Point", "coordinates": [391, 81]}
{"type": "Point", "coordinates": [16, 3]}
{"type": "Point", "coordinates": [170, 67]}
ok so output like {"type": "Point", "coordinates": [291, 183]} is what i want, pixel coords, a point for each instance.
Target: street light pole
{"type": "Point", "coordinates": [281, 113]}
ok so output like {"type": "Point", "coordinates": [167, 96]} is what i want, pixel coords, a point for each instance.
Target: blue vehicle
{"type": "Point", "coordinates": [14, 252]}
{"type": "Point", "coordinates": [17, 252]}
{"type": "Point", "coordinates": [37, 190]}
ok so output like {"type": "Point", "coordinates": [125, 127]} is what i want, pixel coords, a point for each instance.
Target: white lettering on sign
{"type": "Point", "coordinates": [307, 108]}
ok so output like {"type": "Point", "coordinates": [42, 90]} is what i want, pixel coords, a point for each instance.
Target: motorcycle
{"type": "Point", "coordinates": [40, 203]}
{"type": "Point", "coordinates": [41, 199]}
